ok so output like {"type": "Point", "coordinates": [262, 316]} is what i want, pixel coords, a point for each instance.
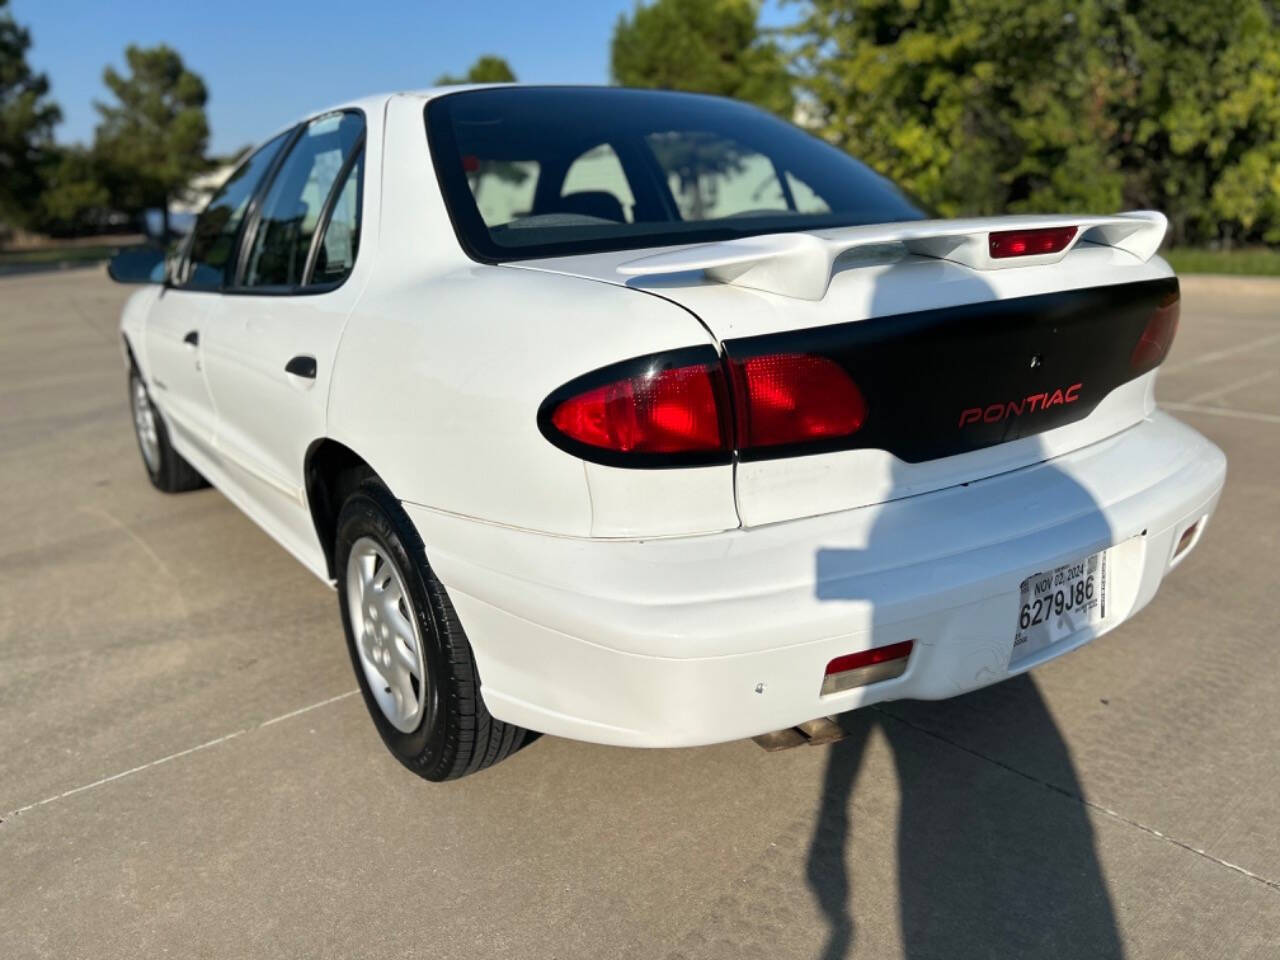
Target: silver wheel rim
{"type": "Point", "coordinates": [387, 637]}
{"type": "Point", "coordinates": [144, 423]}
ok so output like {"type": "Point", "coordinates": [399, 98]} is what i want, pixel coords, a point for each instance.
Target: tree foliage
{"type": "Point", "coordinates": [27, 119]}
{"type": "Point", "coordinates": [73, 192]}
{"type": "Point", "coordinates": [985, 106]}
{"type": "Point", "coordinates": [487, 69]}
{"type": "Point", "coordinates": [152, 141]}
{"type": "Point", "coordinates": [1199, 121]}
{"type": "Point", "coordinates": [708, 46]}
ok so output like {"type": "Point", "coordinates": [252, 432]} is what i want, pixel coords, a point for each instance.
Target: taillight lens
{"type": "Point", "coordinates": [1029, 243]}
{"type": "Point", "coordinates": [674, 409]}
{"type": "Point", "coordinates": [658, 409]}
{"type": "Point", "coordinates": [1157, 337]}
{"type": "Point", "coordinates": [786, 398]}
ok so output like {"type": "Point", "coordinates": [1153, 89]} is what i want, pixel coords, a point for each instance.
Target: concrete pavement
{"type": "Point", "coordinates": [184, 771]}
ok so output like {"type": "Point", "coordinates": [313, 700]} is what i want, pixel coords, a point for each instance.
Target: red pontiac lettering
{"type": "Point", "coordinates": [997, 412]}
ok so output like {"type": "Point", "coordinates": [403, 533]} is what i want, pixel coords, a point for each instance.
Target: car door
{"type": "Point", "coordinates": [269, 352]}
{"type": "Point", "coordinates": [180, 315]}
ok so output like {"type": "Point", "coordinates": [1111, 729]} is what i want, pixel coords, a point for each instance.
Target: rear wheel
{"type": "Point", "coordinates": [411, 657]}
{"type": "Point", "coordinates": [165, 467]}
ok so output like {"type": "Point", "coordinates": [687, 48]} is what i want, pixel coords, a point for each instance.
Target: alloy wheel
{"type": "Point", "coordinates": [387, 634]}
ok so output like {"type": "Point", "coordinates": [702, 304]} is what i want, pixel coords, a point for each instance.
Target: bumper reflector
{"type": "Point", "coordinates": [1186, 541]}
{"type": "Point", "coordinates": [869, 666]}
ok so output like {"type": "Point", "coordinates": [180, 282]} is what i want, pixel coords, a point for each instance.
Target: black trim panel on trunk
{"type": "Point", "coordinates": [946, 381]}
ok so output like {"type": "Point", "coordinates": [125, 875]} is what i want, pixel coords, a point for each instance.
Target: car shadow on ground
{"type": "Point", "coordinates": [996, 852]}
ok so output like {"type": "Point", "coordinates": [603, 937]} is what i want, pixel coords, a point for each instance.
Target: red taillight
{"type": "Point", "coordinates": [657, 411]}
{"type": "Point", "coordinates": [664, 410]}
{"type": "Point", "coordinates": [789, 398]}
{"type": "Point", "coordinates": [1029, 243]}
{"type": "Point", "coordinates": [1157, 337]}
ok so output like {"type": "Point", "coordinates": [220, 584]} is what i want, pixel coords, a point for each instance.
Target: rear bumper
{"type": "Point", "coordinates": [696, 640]}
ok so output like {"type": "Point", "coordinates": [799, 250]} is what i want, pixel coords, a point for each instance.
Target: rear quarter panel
{"type": "Point", "coordinates": [438, 384]}
{"type": "Point", "coordinates": [444, 363]}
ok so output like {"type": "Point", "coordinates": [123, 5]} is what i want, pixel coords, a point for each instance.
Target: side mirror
{"type": "Point", "coordinates": [137, 265]}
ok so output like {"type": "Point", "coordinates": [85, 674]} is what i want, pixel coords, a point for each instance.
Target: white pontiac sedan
{"type": "Point", "coordinates": [647, 419]}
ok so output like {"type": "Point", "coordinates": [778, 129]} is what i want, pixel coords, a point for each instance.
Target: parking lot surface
{"type": "Point", "coordinates": [185, 771]}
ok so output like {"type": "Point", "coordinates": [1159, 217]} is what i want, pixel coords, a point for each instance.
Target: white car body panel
{"type": "Point", "coordinates": [657, 607]}
{"type": "Point", "coordinates": [174, 368]}
{"type": "Point", "coordinates": [664, 642]}
{"type": "Point", "coordinates": [267, 418]}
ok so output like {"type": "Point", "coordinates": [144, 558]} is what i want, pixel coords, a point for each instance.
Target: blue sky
{"type": "Point", "coordinates": [266, 62]}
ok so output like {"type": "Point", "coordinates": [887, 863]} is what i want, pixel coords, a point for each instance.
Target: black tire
{"type": "Point", "coordinates": [456, 735]}
{"type": "Point", "coordinates": [168, 471]}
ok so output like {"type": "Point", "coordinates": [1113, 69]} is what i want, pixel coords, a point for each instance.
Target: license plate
{"type": "Point", "coordinates": [1054, 604]}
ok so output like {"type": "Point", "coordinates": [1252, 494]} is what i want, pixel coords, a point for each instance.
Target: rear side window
{"type": "Point", "coordinates": [297, 200]}
{"type": "Point", "coordinates": [336, 255]}
{"type": "Point", "coordinates": [210, 261]}
{"type": "Point", "coordinates": [547, 171]}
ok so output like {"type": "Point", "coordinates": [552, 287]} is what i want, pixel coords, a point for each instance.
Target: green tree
{"type": "Point", "coordinates": [976, 107]}
{"type": "Point", "coordinates": [73, 191]}
{"type": "Point", "coordinates": [153, 139]}
{"type": "Point", "coordinates": [1199, 118]}
{"type": "Point", "coordinates": [27, 119]}
{"type": "Point", "coordinates": [706, 46]}
{"type": "Point", "coordinates": [486, 69]}
{"type": "Point", "coordinates": [987, 106]}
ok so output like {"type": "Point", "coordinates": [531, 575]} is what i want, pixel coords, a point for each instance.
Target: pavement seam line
{"type": "Point", "coordinates": [1254, 415]}
{"type": "Point", "coordinates": [1085, 801]}
{"type": "Point", "coordinates": [1217, 393]}
{"type": "Point", "coordinates": [181, 753]}
{"type": "Point", "coordinates": [1215, 355]}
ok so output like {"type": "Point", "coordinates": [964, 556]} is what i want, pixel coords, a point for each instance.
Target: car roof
{"type": "Point", "coordinates": [373, 104]}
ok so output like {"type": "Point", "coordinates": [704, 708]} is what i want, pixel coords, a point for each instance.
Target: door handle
{"type": "Point", "coordinates": [302, 366]}
{"type": "Point", "coordinates": [192, 339]}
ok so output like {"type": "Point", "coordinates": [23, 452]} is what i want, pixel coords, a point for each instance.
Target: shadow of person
{"type": "Point", "coordinates": [991, 863]}
{"type": "Point", "coordinates": [996, 854]}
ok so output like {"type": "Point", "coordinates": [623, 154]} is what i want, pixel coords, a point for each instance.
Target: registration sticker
{"type": "Point", "coordinates": [1054, 604]}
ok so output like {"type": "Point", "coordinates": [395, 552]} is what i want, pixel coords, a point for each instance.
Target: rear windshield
{"type": "Point", "coordinates": [538, 172]}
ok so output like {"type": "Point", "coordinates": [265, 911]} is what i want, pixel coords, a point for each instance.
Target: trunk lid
{"type": "Point", "coordinates": [971, 366]}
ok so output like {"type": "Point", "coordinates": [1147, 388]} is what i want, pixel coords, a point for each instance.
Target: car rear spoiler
{"type": "Point", "coordinates": [800, 264]}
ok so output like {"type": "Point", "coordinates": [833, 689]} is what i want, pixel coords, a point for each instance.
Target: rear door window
{"type": "Point", "coordinates": [295, 201]}
{"type": "Point", "coordinates": [336, 255]}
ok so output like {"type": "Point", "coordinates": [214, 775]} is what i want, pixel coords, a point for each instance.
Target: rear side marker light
{"type": "Point", "coordinates": [868, 666]}
{"type": "Point", "coordinates": [1186, 541]}
{"type": "Point", "coordinates": [1030, 243]}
